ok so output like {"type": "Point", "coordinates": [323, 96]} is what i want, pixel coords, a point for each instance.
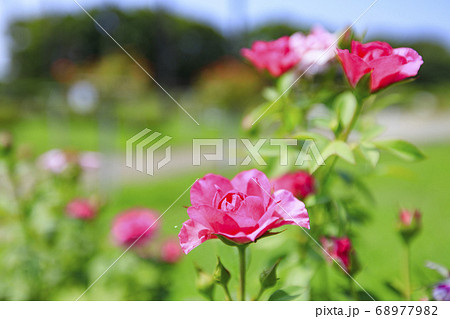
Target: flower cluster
{"type": "Point", "coordinates": [299, 51]}
{"type": "Point", "coordinates": [314, 51]}
{"type": "Point", "coordinates": [57, 161]}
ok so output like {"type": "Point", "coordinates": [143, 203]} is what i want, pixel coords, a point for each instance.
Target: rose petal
{"type": "Point", "coordinates": [213, 219]}
{"type": "Point", "coordinates": [386, 70]}
{"type": "Point", "coordinates": [372, 50]}
{"type": "Point", "coordinates": [354, 66]}
{"type": "Point", "coordinates": [290, 209]}
{"type": "Point", "coordinates": [253, 183]}
{"type": "Point", "coordinates": [413, 61]}
{"type": "Point", "coordinates": [193, 234]}
{"type": "Point", "coordinates": [204, 190]}
{"type": "Point", "coordinates": [250, 212]}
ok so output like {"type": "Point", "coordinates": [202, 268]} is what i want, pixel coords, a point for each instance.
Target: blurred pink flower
{"type": "Point", "coordinates": [89, 160]}
{"type": "Point", "coordinates": [441, 291]}
{"type": "Point", "coordinates": [277, 56]}
{"type": "Point", "coordinates": [240, 210]}
{"type": "Point", "coordinates": [406, 217]}
{"type": "Point", "coordinates": [387, 65]}
{"type": "Point", "coordinates": [81, 208]}
{"type": "Point", "coordinates": [171, 251]}
{"type": "Point", "coordinates": [135, 224]}
{"type": "Point", "coordinates": [340, 249]}
{"type": "Point", "coordinates": [315, 50]}
{"type": "Point", "coordinates": [300, 184]}
{"type": "Point", "coordinates": [55, 161]}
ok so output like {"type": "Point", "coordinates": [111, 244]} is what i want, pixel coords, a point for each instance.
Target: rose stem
{"type": "Point", "coordinates": [241, 250]}
{"type": "Point", "coordinates": [227, 293]}
{"type": "Point", "coordinates": [408, 272]}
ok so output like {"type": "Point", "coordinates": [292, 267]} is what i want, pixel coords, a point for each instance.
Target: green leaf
{"type": "Point", "coordinates": [340, 149]}
{"type": "Point", "coordinates": [310, 136]}
{"type": "Point", "coordinates": [281, 295]}
{"type": "Point", "coordinates": [371, 133]}
{"type": "Point", "coordinates": [401, 149]}
{"type": "Point", "coordinates": [270, 94]}
{"type": "Point", "coordinates": [268, 277]}
{"type": "Point", "coordinates": [345, 106]}
{"type": "Point", "coordinates": [284, 82]}
{"type": "Point", "coordinates": [221, 275]}
{"type": "Point", "coordinates": [370, 153]}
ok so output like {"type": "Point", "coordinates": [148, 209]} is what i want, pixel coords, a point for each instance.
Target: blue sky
{"type": "Point", "coordinates": [398, 18]}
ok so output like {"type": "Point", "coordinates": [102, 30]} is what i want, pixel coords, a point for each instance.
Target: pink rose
{"type": "Point", "coordinates": [171, 251]}
{"type": "Point", "coordinates": [315, 50]}
{"type": "Point", "coordinates": [340, 249]}
{"type": "Point", "coordinates": [81, 209]}
{"type": "Point", "coordinates": [241, 210]}
{"type": "Point", "coordinates": [301, 184]}
{"type": "Point", "coordinates": [388, 65]}
{"type": "Point", "coordinates": [277, 56]}
{"type": "Point", "coordinates": [137, 224]}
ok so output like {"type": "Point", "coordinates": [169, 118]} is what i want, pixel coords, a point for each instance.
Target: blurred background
{"type": "Point", "coordinates": [66, 85]}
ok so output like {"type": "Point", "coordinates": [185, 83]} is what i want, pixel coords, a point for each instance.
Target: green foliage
{"type": "Point", "coordinates": [176, 48]}
{"type": "Point", "coordinates": [401, 149]}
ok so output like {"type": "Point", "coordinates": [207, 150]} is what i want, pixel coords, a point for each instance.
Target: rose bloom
{"type": "Point", "coordinates": [135, 225]}
{"type": "Point", "coordinates": [171, 251]}
{"type": "Point", "coordinates": [315, 50]}
{"type": "Point", "coordinates": [277, 56]}
{"type": "Point", "coordinates": [340, 249]}
{"type": "Point", "coordinates": [441, 291]}
{"type": "Point", "coordinates": [387, 65]}
{"type": "Point", "coordinates": [241, 210]}
{"type": "Point", "coordinates": [300, 184]}
{"type": "Point", "coordinates": [55, 161]}
{"type": "Point", "coordinates": [81, 209]}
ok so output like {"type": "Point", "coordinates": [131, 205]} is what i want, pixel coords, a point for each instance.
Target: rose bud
{"type": "Point", "coordinates": [300, 184]}
{"type": "Point", "coordinates": [171, 251]}
{"type": "Point", "coordinates": [135, 226]}
{"type": "Point", "coordinates": [341, 250]}
{"type": "Point", "coordinates": [409, 224]}
{"type": "Point", "coordinates": [81, 209]}
{"type": "Point", "coordinates": [385, 64]}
